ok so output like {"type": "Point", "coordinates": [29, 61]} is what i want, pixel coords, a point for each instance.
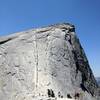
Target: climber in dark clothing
{"type": "Point", "coordinates": [69, 96]}
{"type": "Point", "coordinates": [51, 93]}
{"type": "Point", "coordinates": [77, 96]}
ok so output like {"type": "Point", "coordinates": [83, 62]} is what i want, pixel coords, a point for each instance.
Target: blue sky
{"type": "Point", "coordinates": [19, 15]}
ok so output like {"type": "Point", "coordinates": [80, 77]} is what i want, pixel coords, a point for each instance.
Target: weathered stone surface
{"type": "Point", "coordinates": [45, 64]}
{"type": "Point", "coordinates": [98, 81]}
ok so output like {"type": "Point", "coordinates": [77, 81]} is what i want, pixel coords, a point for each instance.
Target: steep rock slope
{"type": "Point", "coordinates": [98, 81]}
{"type": "Point", "coordinates": [45, 63]}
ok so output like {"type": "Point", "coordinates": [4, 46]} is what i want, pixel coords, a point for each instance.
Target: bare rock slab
{"type": "Point", "coordinates": [45, 64]}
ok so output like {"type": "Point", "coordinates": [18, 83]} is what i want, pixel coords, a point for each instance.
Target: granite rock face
{"type": "Point", "coordinates": [45, 64]}
{"type": "Point", "coordinates": [98, 81]}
